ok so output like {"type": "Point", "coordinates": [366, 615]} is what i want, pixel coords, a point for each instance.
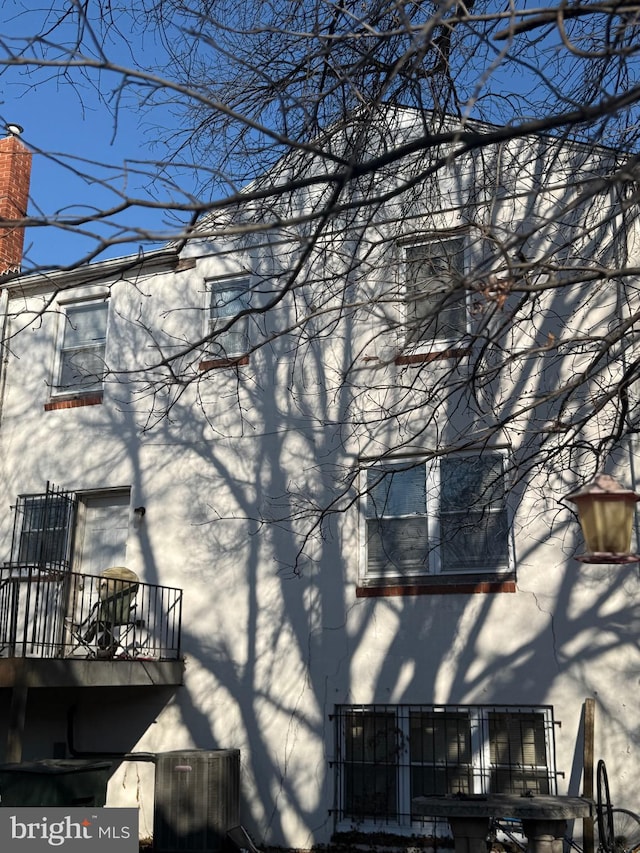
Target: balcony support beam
{"type": "Point", "coordinates": [17, 719]}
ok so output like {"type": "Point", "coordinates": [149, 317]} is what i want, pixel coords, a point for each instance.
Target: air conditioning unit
{"type": "Point", "coordinates": [197, 800]}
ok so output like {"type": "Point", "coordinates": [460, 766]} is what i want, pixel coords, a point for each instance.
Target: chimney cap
{"type": "Point", "coordinates": [13, 129]}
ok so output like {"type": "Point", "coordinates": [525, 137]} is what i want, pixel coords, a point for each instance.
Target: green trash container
{"type": "Point", "coordinates": [54, 782]}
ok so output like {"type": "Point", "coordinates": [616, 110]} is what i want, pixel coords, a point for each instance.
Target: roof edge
{"type": "Point", "coordinates": [62, 279]}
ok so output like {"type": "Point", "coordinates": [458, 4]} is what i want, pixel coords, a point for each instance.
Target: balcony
{"type": "Point", "coordinates": [63, 629]}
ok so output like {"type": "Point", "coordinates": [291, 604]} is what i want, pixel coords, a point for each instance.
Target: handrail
{"type": "Point", "coordinates": [53, 613]}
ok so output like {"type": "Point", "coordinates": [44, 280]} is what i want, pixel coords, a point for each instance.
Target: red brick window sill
{"type": "Point", "coordinates": [213, 363]}
{"type": "Point", "coordinates": [426, 357]}
{"type": "Point", "coordinates": [451, 588]}
{"type": "Point", "coordinates": [74, 402]}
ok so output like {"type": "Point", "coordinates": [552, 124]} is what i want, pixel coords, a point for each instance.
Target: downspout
{"type": "Point", "coordinates": [4, 357]}
{"type": "Point", "coordinates": [17, 722]}
{"type": "Point", "coordinates": [634, 485]}
{"type": "Point", "coordinates": [19, 692]}
{"type": "Point", "coordinates": [620, 301]}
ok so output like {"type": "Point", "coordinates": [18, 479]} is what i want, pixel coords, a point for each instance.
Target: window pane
{"type": "Point", "coordinates": [370, 770]}
{"type": "Point", "coordinates": [517, 739]}
{"type": "Point", "coordinates": [518, 780]}
{"type": "Point", "coordinates": [227, 301]}
{"type": "Point", "coordinates": [399, 546]}
{"type": "Point", "coordinates": [440, 753]}
{"type": "Point", "coordinates": [518, 753]}
{"type": "Point", "coordinates": [394, 492]}
{"type": "Point", "coordinates": [436, 304]}
{"type": "Point", "coordinates": [45, 530]}
{"type": "Point", "coordinates": [444, 737]}
{"type": "Point", "coordinates": [370, 792]}
{"type": "Point", "coordinates": [470, 540]}
{"type": "Point", "coordinates": [83, 368]}
{"type": "Point", "coordinates": [397, 529]}
{"type": "Point", "coordinates": [474, 530]}
{"type": "Point", "coordinates": [472, 482]}
{"type": "Point", "coordinates": [85, 324]}
{"type": "Point", "coordinates": [434, 781]}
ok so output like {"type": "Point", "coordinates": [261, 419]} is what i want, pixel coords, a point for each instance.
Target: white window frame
{"type": "Point", "coordinates": [429, 343]}
{"type": "Point", "coordinates": [100, 346]}
{"type": "Point", "coordinates": [240, 327]}
{"type": "Point", "coordinates": [480, 767]}
{"type": "Point", "coordinates": [434, 564]}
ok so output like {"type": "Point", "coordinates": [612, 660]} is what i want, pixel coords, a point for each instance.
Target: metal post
{"type": "Point", "coordinates": [587, 787]}
{"type": "Point", "coordinates": [17, 719]}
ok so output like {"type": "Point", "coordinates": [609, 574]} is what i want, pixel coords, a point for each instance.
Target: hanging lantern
{"type": "Point", "coordinates": [606, 511]}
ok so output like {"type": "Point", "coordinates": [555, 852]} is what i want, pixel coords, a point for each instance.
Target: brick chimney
{"type": "Point", "coordinates": [15, 175]}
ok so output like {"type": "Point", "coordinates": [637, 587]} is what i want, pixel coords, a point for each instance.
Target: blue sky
{"type": "Point", "coordinates": [71, 131]}
{"type": "Point", "coordinates": [65, 137]}
{"type": "Point", "coordinates": [68, 123]}
{"type": "Point", "coordinates": [70, 127]}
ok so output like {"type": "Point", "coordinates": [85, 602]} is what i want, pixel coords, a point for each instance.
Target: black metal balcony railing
{"type": "Point", "coordinates": [60, 614]}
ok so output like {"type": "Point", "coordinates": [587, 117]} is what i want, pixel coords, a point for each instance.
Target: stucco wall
{"type": "Point", "coordinates": [274, 636]}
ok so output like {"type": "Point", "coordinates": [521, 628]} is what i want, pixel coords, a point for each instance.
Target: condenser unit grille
{"type": "Point", "coordinates": [197, 800]}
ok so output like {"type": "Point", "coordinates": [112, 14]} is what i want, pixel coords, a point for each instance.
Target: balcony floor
{"type": "Point", "coordinates": [77, 672]}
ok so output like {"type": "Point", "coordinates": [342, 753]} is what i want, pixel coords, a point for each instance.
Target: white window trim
{"type": "Point", "coordinates": [440, 344]}
{"type": "Point", "coordinates": [211, 284]}
{"type": "Point", "coordinates": [434, 569]}
{"type": "Point", "coordinates": [57, 390]}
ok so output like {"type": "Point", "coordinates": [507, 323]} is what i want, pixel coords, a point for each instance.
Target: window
{"type": "Point", "coordinates": [82, 355]}
{"type": "Point", "coordinates": [389, 754]}
{"type": "Point", "coordinates": [42, 529]}
{"type": "Point", "coordinates": [436, 518]}
{"type": "Point", "coordinates": [436, 305]}
{"type": "Point", "coordinates": [229, 298]}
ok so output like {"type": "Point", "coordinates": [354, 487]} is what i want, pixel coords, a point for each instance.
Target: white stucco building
{"type": "Point", "coordinates": [320, 451]}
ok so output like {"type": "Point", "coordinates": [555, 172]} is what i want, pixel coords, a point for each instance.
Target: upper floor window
{"type": "Point", "coordinates": [436, 308]}
{"type": "Point", "coordinates": [228, 299]}
{"type": "Point", "coordinates": [446, 516]}
{"type": "Point", "coordinates": [82, 349]}
{"type": "Point", "coordinates": [389, 754]}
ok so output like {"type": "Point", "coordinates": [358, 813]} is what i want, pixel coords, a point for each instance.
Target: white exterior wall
{"type": "Point", "coordinates": [270, 651]}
